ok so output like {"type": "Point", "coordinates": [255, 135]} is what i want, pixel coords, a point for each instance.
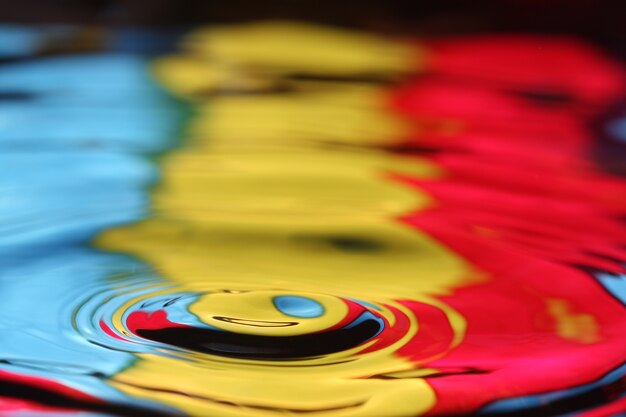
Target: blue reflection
{"type": "Point", "coordinates": [18, 40]}
{"type": "Point", "coordinates": [101, 100]}
{"type": "Point", "coordinates": [297, 306]}
{"type": "Point", "coordinates": [70, 130]}
{"type": "Point", "coordinates": [617, 129]}
{"type": "Point", "coordinates": [67, 197]}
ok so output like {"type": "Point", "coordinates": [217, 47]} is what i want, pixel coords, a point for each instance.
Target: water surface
{"type": "Point", "coordinates": [244, 226]}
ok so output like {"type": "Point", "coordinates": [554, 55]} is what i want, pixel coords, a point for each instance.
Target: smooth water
{"type": "Point", "coordinates": [283, 219]}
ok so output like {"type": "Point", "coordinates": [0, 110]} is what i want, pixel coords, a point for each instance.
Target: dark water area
{"type": "Point", "coordinates": [284, 218]}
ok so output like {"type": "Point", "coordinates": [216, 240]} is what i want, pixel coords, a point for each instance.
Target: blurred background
{"type": "Point", "coordinates": [601, 20]}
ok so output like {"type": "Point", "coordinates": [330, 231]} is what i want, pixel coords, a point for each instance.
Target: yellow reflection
{"type": "Point", "coordinates": [578, 327]}
{"type": "Point", "coordinates": [298, 219]}
{"type": "Point", "coordinates": [313, 222]}
{"type": "Point", "coordinates": [286, 47]}
{"type": "Point", "coordinates": [261, 317]}
{"type": "Point", "coordinates": [253, 393]}
{"type": "Point", "coordinates": [354, 115]}
{"type": "Point", "coordinates": [193, 77]}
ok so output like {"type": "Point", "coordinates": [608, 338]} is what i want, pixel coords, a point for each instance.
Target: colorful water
{"type": "Point", "coordinates": [283, 219]}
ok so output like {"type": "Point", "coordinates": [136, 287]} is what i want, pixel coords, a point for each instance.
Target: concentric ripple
{"type": "Point", "coordinates": [143, 316]}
